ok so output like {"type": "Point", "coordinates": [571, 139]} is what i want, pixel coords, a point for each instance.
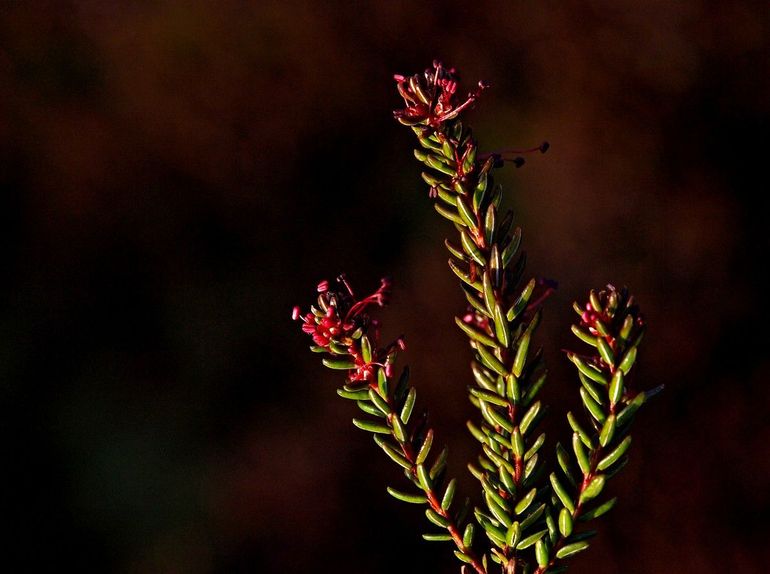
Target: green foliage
{"type": "Point", "coordinates": [532, 511]}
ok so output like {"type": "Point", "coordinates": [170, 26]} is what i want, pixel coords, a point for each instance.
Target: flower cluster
{"type": "Point", "coordinates": [338, 324]}
{"type": "Point", "coordinates": [434, 101]}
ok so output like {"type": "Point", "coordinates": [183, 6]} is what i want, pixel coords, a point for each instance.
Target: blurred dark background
{"type": "Point", "coordinates": [175, 176]}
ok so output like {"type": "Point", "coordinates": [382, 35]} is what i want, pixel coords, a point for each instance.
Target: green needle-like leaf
{"type": "Point", "coordinates": [627, 413]}
{"type": "Point", "coordinates": [593, 489]}
{"type": "Point", "coordinates": [490, 397]}
{"type": "Point", "coordinates": [471, 249]}
{"type": "Point", "coordinates": [499, 460]}
{"type": "Point", "coordinates": [616, 387]}
{"type": "Point", "coordinates": [530, 540]}
{"type": "Point", "coordinates": [366, 349]}
{"type": "Point", "coordinates": [521, 353]}
{"type": "Point", "coordinates": [605, 351]}
{"type": "Point", "coordinates": [587, 369]}
{"type": "Point", "coordinates": [533, 517]}
{"type": "Point", "coordinates": [517, 443]}
{"type": "Point", "coordinates": [541, 553]}
{"type": "Point", "coordinates": [580, 454]}
{"type": "Point", "coordinates": [498, 511]}
{"type": "Point", "coordinates": [391, 451]}
{"type": "Point", "coordinates": [491, 361]}
{"type": "Point", "coordinates": [456, 251]}
{"type": "Point", "coordinates": [398, 428]}
{"type": "Point", "coordinates": [357, 395]}
{"type": "Point", "coordinates": [562, 457]}
{"type": "Point", "coordinates": [436, 518]}
{"type": "Point", "coordinates": [463, 557]}
{"type": "Point", "coordinates": [529, 417]}
{"type": "Point", "coordinates": [571, 549]}
{"type": "Point", "coordinates": [561, 492]}
{"type": "Point", "coordinates": [598, 511]}
{"type": "Point", "coordinates": [628, 360]}
{"type": "Point", "coordinates": [369, 408]}
{"type": "Point", "coordinates": [468, 534]}
{"type": "Point", "coordinates": [501, 326]}
{"type": "Point", "coordinates": [475, 334]}
{"type": "Point", "coordinates": [449, 494]}
{"type": "Point", "coordinates": [437, 537]}
{"type": "Point", "coordinates": [424, 477]}
{"type": "Point", "coordinates": [525, 502]}
{"type": "Point", "coordinates": [565, 522]}
{"type": "Point", "coordinates": [579, 430]}
{"type": "Point", "coordinates": [584, 336]}
{"type": "Point", "coordinates": [406, 410]}
{"type": "Point", "coordinates": [513, 535]}
{"type": "Point", "coordinates": [608, 431]}
{"type": "Point", "coordinates": [379, 402]}
{"type": "Point", "coordinates": [436, 163]}
{"type": "Point", "coordinates": [465, 212]}
{"type": "Point", "coordinates": [371, 426]}
{"type": "Point", "coordinates": [535, 446]}
{"type": "Point", "coordinates": [592, 406]}
{"type": "Point", "coordinates": [404, 497]}
{"type": "Point", "coordinates": [512, 248]}
{"type": "Point", "coordinates": [615, 455]}
{"type": "Point", "coordinates": [338, 364]}
{"type": "Point", "coordinates": [422, 454]}
{"type": "Point", "coordinates": [449, 214]}
{"type": "Point", "coordinates": [440, 463]}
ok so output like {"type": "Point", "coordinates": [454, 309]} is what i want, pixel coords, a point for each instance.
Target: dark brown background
{"type": "Point", "coordinates": [175, 178]}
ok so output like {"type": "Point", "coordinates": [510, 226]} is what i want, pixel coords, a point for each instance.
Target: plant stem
{"type": "Point", "coordinates": [433, 498]}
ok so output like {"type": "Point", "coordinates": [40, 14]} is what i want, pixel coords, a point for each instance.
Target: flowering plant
{"type": "Point", "coordinates": [533, 509]}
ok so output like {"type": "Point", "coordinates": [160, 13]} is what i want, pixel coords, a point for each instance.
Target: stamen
{"type": "Point", "coordinates": [342, 279]}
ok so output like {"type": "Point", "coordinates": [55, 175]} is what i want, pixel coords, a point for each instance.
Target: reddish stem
{"type": "Point", "coordinates": [433, 500]}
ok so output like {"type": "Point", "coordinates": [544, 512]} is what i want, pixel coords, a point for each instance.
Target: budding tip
{"type": "Point", "coordinates": [399, 78]}
{"type": "Point", "coordinates": [323, 286]}
{"type": "Point", "coordinates": [544, 147]}
{"type": "Point", "coordinates": [518, 161]}
{"type": "Point", "coordinates": [295, 313]}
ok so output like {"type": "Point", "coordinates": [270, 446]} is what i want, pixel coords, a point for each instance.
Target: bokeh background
{"type": "Point", "coordinates": [175, 176]}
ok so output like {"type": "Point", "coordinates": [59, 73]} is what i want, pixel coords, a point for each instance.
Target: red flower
{"type": "Point", "coordinates": [340, 322]}
{"type": "Point", "coordinates": [432, 101]}
{"type": "Point", "coordinates": [341, 313]}
{"type": "Point", "coordinates": [325, 329]}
